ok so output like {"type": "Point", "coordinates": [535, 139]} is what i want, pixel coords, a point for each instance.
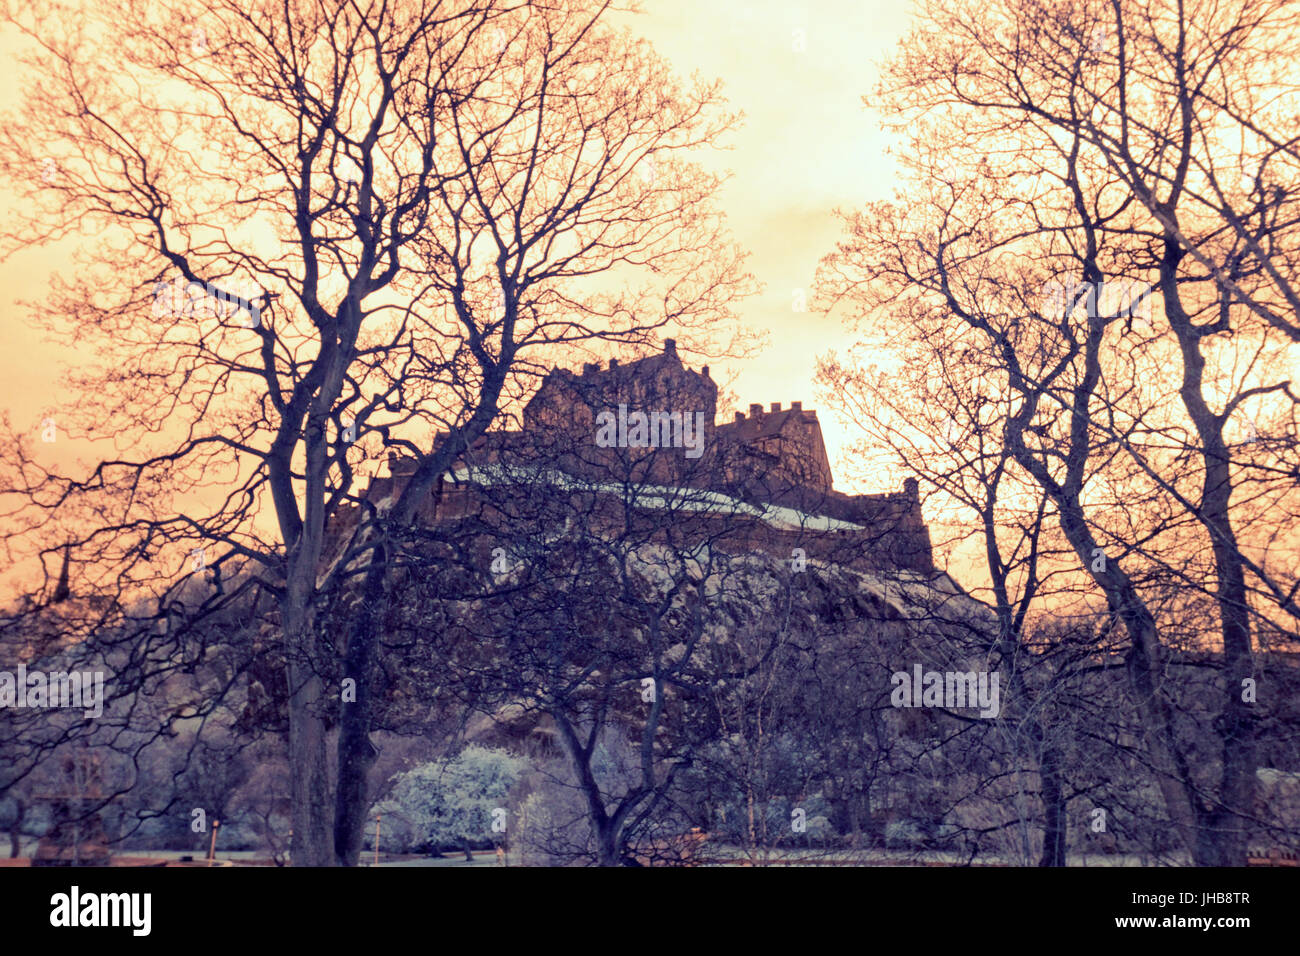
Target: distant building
{"type": "Point", "coordinates": [652, 425]}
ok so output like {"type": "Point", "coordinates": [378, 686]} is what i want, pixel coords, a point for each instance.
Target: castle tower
{"type": "Point", "coordinates": [654, 410]}
{"type": "Point", "coordinates": [784, 446]}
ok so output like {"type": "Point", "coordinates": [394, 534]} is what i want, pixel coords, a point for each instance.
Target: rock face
{"type": "Point", "coordinates": [649, 429]}
{"type": "Point", "coordinates": [579, 570]}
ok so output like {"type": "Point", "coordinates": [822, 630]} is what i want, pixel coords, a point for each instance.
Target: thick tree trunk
{"type": "Point", "coordinates": [309, 788]}
{"type": "Point", "coordinates": [311, 809]}
{"type": "Point", "coordinates": [606, 827]}
{"type": "Point", "coordinates": [308, 769]}
{"type": "Point", "coordinates": [1055, 822]}
{"type": "Point", "coordinates": [356, 753]}
{"type": "Point", "coordinates": [607, 849]}
{"type": "Point", "coordinates": [1222, 838]}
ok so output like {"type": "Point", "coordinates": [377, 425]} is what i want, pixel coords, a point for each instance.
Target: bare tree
{"type": "Point", "coordinates": [342, 229]}
{"type": "Point", "coordinates": [936, 415]}
{"type": "Point", "coordinates": [1026, 186]}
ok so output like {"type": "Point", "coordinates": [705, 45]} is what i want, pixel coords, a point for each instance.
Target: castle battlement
{"type": "Point", "coordinates": [769, 462]}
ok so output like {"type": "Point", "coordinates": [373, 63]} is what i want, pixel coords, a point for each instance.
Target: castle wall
{"type": "Point", "coordinates": [773, 458]}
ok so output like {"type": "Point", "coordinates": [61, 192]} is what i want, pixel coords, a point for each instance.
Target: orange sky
{"type": "Point", "coordinates": [798, 73]}
{"type": "Point", "coordinates": [808, 145]}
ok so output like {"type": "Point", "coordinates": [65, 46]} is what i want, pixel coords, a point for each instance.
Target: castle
{"type": "Point", "coordinates": [651, 425]}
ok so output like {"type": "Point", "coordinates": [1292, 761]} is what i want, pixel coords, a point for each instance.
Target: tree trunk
{"type": "Point", "coordinates": [309, 790]}
{"type": "Point", "coordinates": [607, 850]}
{"type": "Point", "coordinates": [356, 753]}
{"type": "Point", "coordinates": [1055, 822]}
{"type": "Point", "coordinates": [1169, 764]}
{"type": "Point", "coordinates": [308, 768]}
{"type": "Point", "coordinates": [16, 831]}
{"type": "Point", "coordinates": [1050, 776]}
{"type": "Point", "coordinates": [1172, 774]}
{"type": "Point", "coordinates": [1221, 840]}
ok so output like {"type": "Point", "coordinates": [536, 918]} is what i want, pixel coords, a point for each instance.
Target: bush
{"type": "Point", "coordinates": [449, 803]}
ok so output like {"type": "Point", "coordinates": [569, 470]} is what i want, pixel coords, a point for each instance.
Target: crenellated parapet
{"type": "Point", "coordinates": [651, 425]}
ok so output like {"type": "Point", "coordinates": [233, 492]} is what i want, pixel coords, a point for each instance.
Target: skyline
{"type": "Point", "coordinates": [452, 437]}
{"type": "Point", "coordinates": [803, 113]}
